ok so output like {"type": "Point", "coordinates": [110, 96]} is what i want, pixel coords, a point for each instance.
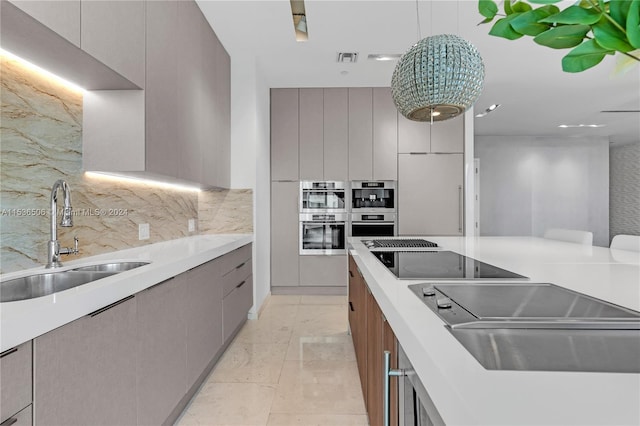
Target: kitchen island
{"type": "Point", "coordinates": [462, 390]}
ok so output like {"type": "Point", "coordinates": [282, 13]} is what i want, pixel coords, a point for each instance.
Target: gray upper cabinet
{"type": "Point", "coordinates": [284, 233]}
{"type": "Point", "coordinates": [361, 133]}
{"type": "Point", "coordinates": [448, 136]}
{"type": "Point", "coordinates": [413, 136]}
{"type": "Point", "coordinates": [15, 380]}
{"type": "Point", "coordinates": [311, 134]}
{"type": "Point", "coordinates": [191, 75]}
{"type": "Point", "coordinates": [85, 371]}
{"type": "Point", "coordinates": [336, 134]}
{"type": "Point", "coordinates": [203, 316]}
{"type": "Point", "coordinates": [161, 351]}
{"type": "Point", "coordinates": [430, 194]}
{"type": "Point", "coordinates": [221, 107]}
{"type": "Point", "coordinates": [62, 16]}
{"type": "Point", "coordinates": [385, 135]}
{"type": "Point", "coordinates": [161, 132]}
{"type": "Point", "coordinates": [284, 134]}
{"type": "Point", "coordinates": [113, 33]}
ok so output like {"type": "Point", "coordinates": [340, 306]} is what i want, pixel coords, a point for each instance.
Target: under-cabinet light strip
{"type": "Point", "coordinates": [120, 178]}
{"type": "Point", "coordinates": [35, 68]}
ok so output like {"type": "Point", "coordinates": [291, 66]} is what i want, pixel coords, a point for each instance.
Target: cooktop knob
{"type": "Point", "coordinates": [428, 291]}
{"type": "Point", "coordinates": [444, 303]}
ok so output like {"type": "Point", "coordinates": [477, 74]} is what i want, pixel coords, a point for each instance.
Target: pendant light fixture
{"type": "Point", "coordinates": [438, 78]}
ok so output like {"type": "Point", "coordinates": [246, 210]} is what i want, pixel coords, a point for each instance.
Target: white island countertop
{"type": "Point", "coordinates": [464, 392]}
{"type": "Point", "coordinates": [23, 320]}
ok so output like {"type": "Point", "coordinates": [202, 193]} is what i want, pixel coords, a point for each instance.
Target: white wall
{"type": "Point", "coordinates": [530, 184]}
{"type": "Point", "coordinates": [250, 164]}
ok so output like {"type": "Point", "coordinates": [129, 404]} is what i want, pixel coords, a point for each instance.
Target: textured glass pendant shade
{"type": "Point", "coordinates": [439, 78]}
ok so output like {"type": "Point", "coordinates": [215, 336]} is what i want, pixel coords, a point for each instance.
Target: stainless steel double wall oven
{"type": "Point", "coordinates": [323, 217]}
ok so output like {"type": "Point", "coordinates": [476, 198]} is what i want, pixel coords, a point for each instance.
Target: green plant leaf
{"type": "Point", "coordinates": [575, 15]}
{"type": "Point", "coordinates": [633, 24]}
{"type": "Point", "coordinates": [610, 37]}
{"type": "Point", "coordinates": [520, 7]}
{"type": "Point", "coordinates": [502, 28]}
{"type": "Point", "coordinates": [528, 22]}
{"type": "Point", "coordinates": [619, 9]}
{"type": "Point", "coordinates": [484, 21]}
{"type": "Point", "coordinates": [507, 7]}
{"type": "Point", "coordinates": [587, 55]}
{"type": "Point", "coordinates": [545, 1]}
{"type": "Point", "coordinates": [563, 37]}
{"type": "Point", "coordinates": [487, 8]}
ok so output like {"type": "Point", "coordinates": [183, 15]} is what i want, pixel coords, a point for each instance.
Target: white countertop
{"type": "Point", "coordinates": [23, 320]}
{"type": "Point", "coordinates": [464, 392]}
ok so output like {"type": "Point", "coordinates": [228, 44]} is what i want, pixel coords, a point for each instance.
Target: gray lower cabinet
{"type": "Point", "coordinates": [323, 271]}
{"type": "Point", "coordinates": [203, 316]}
{"type": "Point", "coordinates": [430, 194]}
{"type": "Point", "coordinates": [162, 350]}
{"type": "Point", "coordinates": [284, 234]}
{"type": "Point", "coordinates": [85, 373]}
{"type": "Point", "coordinates": [236, 305]}
{"type": "Point", "coordinates": [23, 418]}
{"type": "Point", "coordinates": [15, 381]}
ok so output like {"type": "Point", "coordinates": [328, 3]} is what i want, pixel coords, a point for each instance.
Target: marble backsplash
{"type": "Point", "coordinates": [41, 141]}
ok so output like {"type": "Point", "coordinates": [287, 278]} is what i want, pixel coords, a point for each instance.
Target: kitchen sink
{"type": "Point", "coordinates": [39, 285]}
{"type": "Point", "coordinates": [112, 267]}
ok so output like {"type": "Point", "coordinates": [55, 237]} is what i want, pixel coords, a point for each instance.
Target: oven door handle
{"type": "Point", "coordinates": [388, 373]}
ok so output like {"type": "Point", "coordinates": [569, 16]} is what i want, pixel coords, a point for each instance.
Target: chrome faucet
{"type": "Point", "coordinates": [54, 251]}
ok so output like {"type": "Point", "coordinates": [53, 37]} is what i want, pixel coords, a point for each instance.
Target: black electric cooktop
{"type": "Point", "coordinates": [440, 265]}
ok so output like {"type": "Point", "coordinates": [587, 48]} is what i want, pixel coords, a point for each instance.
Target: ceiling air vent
{"type": "Point", "coordinates": [348, 57]}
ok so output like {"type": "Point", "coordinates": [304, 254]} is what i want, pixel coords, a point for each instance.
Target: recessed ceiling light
{"type": "Point", "coordinates": [348, 57]}
{"type": "Point", "coordinates": [574, 126]}
{"type": "Point", "coordinates": [384, 56]}
{"type": "Point", "coordinates": [488, 110]}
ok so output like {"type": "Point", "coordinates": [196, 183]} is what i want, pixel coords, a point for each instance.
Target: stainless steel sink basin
{"type": "Point", "coordinates": [112, 267]}
{"type": "Point", "coordinates": [39, 285]}
{"type": "Point", "coordinates": [33, 286]}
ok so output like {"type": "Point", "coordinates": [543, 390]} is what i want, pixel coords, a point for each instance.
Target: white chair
{"type": "Point", "coordinates": [626, 242]}
{"type": "Point", "coordinates": [570, 236]}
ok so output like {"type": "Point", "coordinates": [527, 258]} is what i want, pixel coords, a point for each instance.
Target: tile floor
{"type": "Point", "coordinates": [295, 365]}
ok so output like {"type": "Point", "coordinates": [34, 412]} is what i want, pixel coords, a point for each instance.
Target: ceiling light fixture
{"type": "Point", "coordinates": [348, 57]}
{"type": "Point", "coordinates": [487, 111]}
{"type": "Point", "coordinates": [574, 126]}
{"type": "Point", "coordinates": [384, 56]}
{"type": "Point", "coordinates": [442, 73]}
{"type": "Point", "coordinates": [300, 24]}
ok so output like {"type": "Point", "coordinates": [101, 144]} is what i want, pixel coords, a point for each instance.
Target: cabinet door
{"type": "Point", "coordinates": [222, 120]}
{"type": "Point", "coordinates": [190, 108]}
{"type": "Point", "coordinates": [413, 136]}
{"type": "Point", "coordinates": [284, 234]}
{"type": "Point", "coordinates": [162, 357]}
{"type": "Point", "coordinates": [311, 134]}
{"type": "Point", "coordinates": [85, 371]}
{"type": "Point", "coordinates": [357, 321]}
{"type": "Point", "coordinates": [375, 358]}
{"type": "Point", "coordinates": [390, 344]}
{"type": "Point", "coordinates": [161, 91]}
{"type": "Point", "coordinates": [61, 16]}
{"type": "Point", "coordinates": [323, 271]}
{"type": "Point", "coordinates": [113, 33]}
{"type": "Point", "coordinates": [236, 305]}
{"type": "Point", "coordinates": [203, 316]}
{"type": "Point", "coordinates": [361, 133]}
{"type": "Point", "coordinates": [336, 134]}
{"type": "Point", "coordinates": [430, 194]}
{"type": "Point", "coordinates": [284, 134]}
{"type": "Point", "coordinates": [15, 380]}
{"type": "Point", "coordinates": [385, 135]}
{"type": "Point", "coordinates": [448, 136]}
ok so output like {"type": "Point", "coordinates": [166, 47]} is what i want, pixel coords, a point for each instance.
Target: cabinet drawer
{"type": "Point", "coordinates": [235, 307]}
{"type": "Point", "coordinates": [232, 260]}
{"type": "Point", "coordinates": [236, 276]}
{"type": "Point", "coordinates": [23, 418]}
{"type": "Point", "coordinates": [15, 380]}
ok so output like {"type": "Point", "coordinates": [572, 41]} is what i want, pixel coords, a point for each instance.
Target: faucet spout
{"type": "Point", "coordinates": [53, 251]}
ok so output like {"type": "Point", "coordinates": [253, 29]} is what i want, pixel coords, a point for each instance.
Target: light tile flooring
{"type": "Point", "coordinates": [295, 365]}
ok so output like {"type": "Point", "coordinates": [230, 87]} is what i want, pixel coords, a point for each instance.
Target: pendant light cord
{"type": "Point", "coordinates": [418, 21]}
